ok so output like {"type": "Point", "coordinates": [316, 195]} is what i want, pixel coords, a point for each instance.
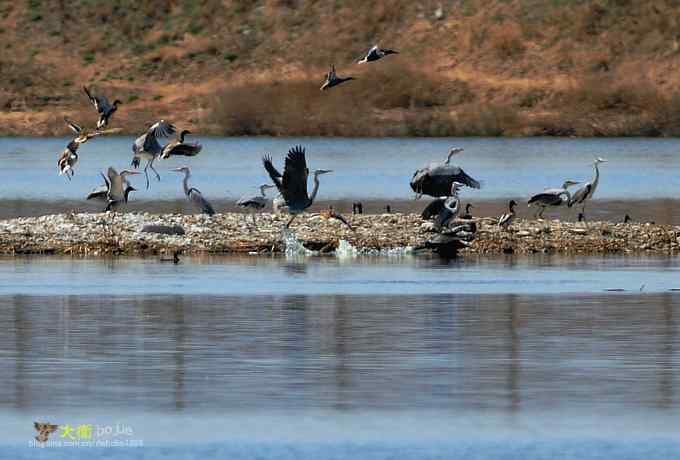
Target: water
{"type": "Point", "coordinates": [306, 357]}
{"type": "Point", "coordinates": [364, 168]}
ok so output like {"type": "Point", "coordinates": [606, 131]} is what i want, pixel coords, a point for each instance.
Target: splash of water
{"type": "Point", "coordinates": [345, 250]}
{"type": "Point", "coordinates": [294, 247]}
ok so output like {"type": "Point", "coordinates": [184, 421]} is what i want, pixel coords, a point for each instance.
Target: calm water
{"type": "Point", "coordinates": [221, 357]}
{"type": "Point", "coordinates": [364, 168]}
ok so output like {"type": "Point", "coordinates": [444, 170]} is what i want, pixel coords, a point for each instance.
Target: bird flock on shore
{"type": "Point", "coordinates": [441, 180]}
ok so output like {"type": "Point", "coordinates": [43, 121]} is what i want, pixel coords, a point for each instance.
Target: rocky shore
{"type": "Point", "coordinates": [138, 234]}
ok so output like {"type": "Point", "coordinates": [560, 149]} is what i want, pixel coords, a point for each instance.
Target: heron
{"type": "Point", "coordinates": [69, 157]}
{"type": "Point", "coordinates": [506, 219]}
{"type": "Point", "coordinates": [588, 190]}
{"type": "Point", "coordinates": [115, 190]}
{"type": "Point", "coordinates": [293, 183]}
{"type": "Point", "coordinates": [103, 107]}
{"type": "Point", "coordinates": [255, 202]}
{"type": "Point", "coordinates": [147, 147]}
{"type": "Point", "coordinates": [552, 197]}
{"type": "Point", "coordinates": [436, 179]}
{"type": "Point", "coordinates": [180, 148]}
{"type": "Point", "coordinates": [376, 53]}
{"type": "Point", "coordinates": [333, 80]}
{"type": "Point", "coordinates": [193, 194]}
{"type": "Point", "coordinates": [450, 207]}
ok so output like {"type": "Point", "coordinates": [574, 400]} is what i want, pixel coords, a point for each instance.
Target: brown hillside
{"type": "Point", "coordinates": [467, 67]}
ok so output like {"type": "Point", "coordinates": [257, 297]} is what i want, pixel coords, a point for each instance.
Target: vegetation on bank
{"type": "Point", "coordinates": [237, 67]}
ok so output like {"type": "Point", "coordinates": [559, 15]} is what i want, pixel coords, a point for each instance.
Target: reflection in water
{"type": "Point", "coordinates": [507, 353]}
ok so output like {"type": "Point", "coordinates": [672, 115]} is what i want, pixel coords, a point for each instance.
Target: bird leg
{"type": "Point", "coordinates": [583, 211]}
{"type": "Point", "coordinates": [158, 176]}
{"type": "Point", "coordinates": [290, 221]}
{"type": "Point", "coordinates": [540, 213]}
{"type": "Point", "coordinates": [146, 174]}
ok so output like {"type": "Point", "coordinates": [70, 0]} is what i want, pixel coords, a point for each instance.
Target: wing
{"type": "Point", "coordinates": [581, 194]}
{"type": "Point", "coordinates": [432, 209]}
{"type": "Point", "coordinates": [274, 174]}
{"type": "Point", "coordinates": [548, 199]}
{"type": "Point", "coordinates": [158, 130]}
{"type": "Point", "coordinates": [187, 150]}
{"type": "Point", "coordinates": [199, 202]}
{"type": "Point", "coordinates": [93, 100]}
{"type": "Point", "coordinates": [99, 192]}
{"type": "Point", "coordinates": [455, 173]}
{"type": "Point", "coordinates": [76, 128]}
{"type": "Point", "coordinates": [295, 173]}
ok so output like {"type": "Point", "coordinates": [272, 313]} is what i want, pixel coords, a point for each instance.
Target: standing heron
{"type": "Point", "coordinates": [104, 108]}
{"type": "Point", "coordinates": [588, 190]}
{"type": "Point", "coordinates": [506, 219]}
{"type": "Point", "coordinates": [552, 197]}
{"type": "Point", "coordinates": [376, 53]}
{"type": "Point", "coordinates": [147, 147]}
{"type": "Point", "coordinates": [436, 179]}
{"type": "Point", "coordinates": [450, 208]}
{"type": "Point", "coordinates": [255, 202]}
{"type": "Point", "coordinates": [333, 80]}
{"type": "Point", "coordinates": [293, 184]}
{"type": "Point", "coordinates": [193, 194]}
{"type": "Point", "coordinates": [178, 147]}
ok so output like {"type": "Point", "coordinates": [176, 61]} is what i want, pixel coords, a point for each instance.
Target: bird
{"type": "Point", "coordinates": [330, 213]}
{"type": "Point", "coordinates": [193, 194]}
{"type": "Point", "coordinates": [588, 190]}
{"type": "Point", "coordinates": [449, 209]}
{"type": "Point", "coordinates": [103, 107]}
{"type": "Point", "coordinates": [69, 157]}
{"type": "Point", "coordinates": [626, 219]}
{"type": "Point", "coordinates": [293, 183]}
{"type": "Point", "coordinates": [146, 147]}
{"type": "Point", "coordinates": [436, 179]}
{"type": "Point", "coordinates": [175, 258]}
{"type": "Point", "coordinates": [333, 80]}
{"type": "Point", "coordinates": [180, 148]}
{"type": "Point", "coordinates": [468, 214]}
{"type": "Point", "coordinates": [376, 53]}
{"type": "Point", "coordinates": [506, 219]}
{"type": "Point", "coordinates": [255, 202]}
{"type": "Point", "coordinates": [552, 197]}
{"type": "Point", "coordinates": [115, 190]}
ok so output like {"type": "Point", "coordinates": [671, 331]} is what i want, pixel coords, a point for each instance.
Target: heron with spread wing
{"type": "Point", "coordinates": [293, 183]}
{"type": "Point", "coordinates": [147, 146]}
{"type": "Point", "coordinates": [436, 179]}
{"type": "Point", "coordinates": [115, 190]}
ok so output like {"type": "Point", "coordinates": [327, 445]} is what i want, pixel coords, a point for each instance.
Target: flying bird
{"type": "Point", "coordinates": [333, 80]}
{"type": "Point", "coordinates": [376, 53]}
{"type": "Point", "coordinates": [103, 107]}
{"type": "Point", "coordinates": [178, 147]}
{"type": "Point", "coordinates": [436, 179]}
{"type": "Point", "coordinates": [147, 147]}
{"type": "Point", "coordinates": [194, 195]}
{"type": "Point", "coordinates": [293, 183]}
{"type": "Point", "coordinates": [69, 157]}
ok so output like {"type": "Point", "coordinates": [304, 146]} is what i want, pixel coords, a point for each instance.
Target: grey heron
{"type": "Point", "coordinates": [255, 202]}
{"type": "Point", "coordinates": [178, 147]}
{"type": "Point", "coordinates": [588, 190]}
{"type": "Point", "coordinates": [333, 80]}
{"type": "Point", "coordinates": [436, 179]}
{"type": "Point", "coordinates": [552, 197]}
{"type": "Point", "coordinates": [193, 194]}
{"type": "Point", "coordinates": [293, 183]}
{"type": "Point", "coordinates": [376, 53]}
{"type": "Point", "coordinates": [146, 147]}
{"type": "Point", "coordinates": [104, 108]}
{"type": "Point", "coordinates": [115, 190]}
{"type": "Point", "coordinates": [506, 219]}
{"type": "Point", "coordinates": [450, 208]}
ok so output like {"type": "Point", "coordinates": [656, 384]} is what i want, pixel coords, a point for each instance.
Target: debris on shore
{"type": "Point", "coordinates": [129, 234]}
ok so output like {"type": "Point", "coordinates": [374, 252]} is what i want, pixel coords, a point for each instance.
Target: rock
{"type": "Point", "coordinates": [164, 229]}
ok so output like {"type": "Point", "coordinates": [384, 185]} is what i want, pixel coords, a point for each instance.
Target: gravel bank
{"type": "Point", "coordinates": [102, 234]}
